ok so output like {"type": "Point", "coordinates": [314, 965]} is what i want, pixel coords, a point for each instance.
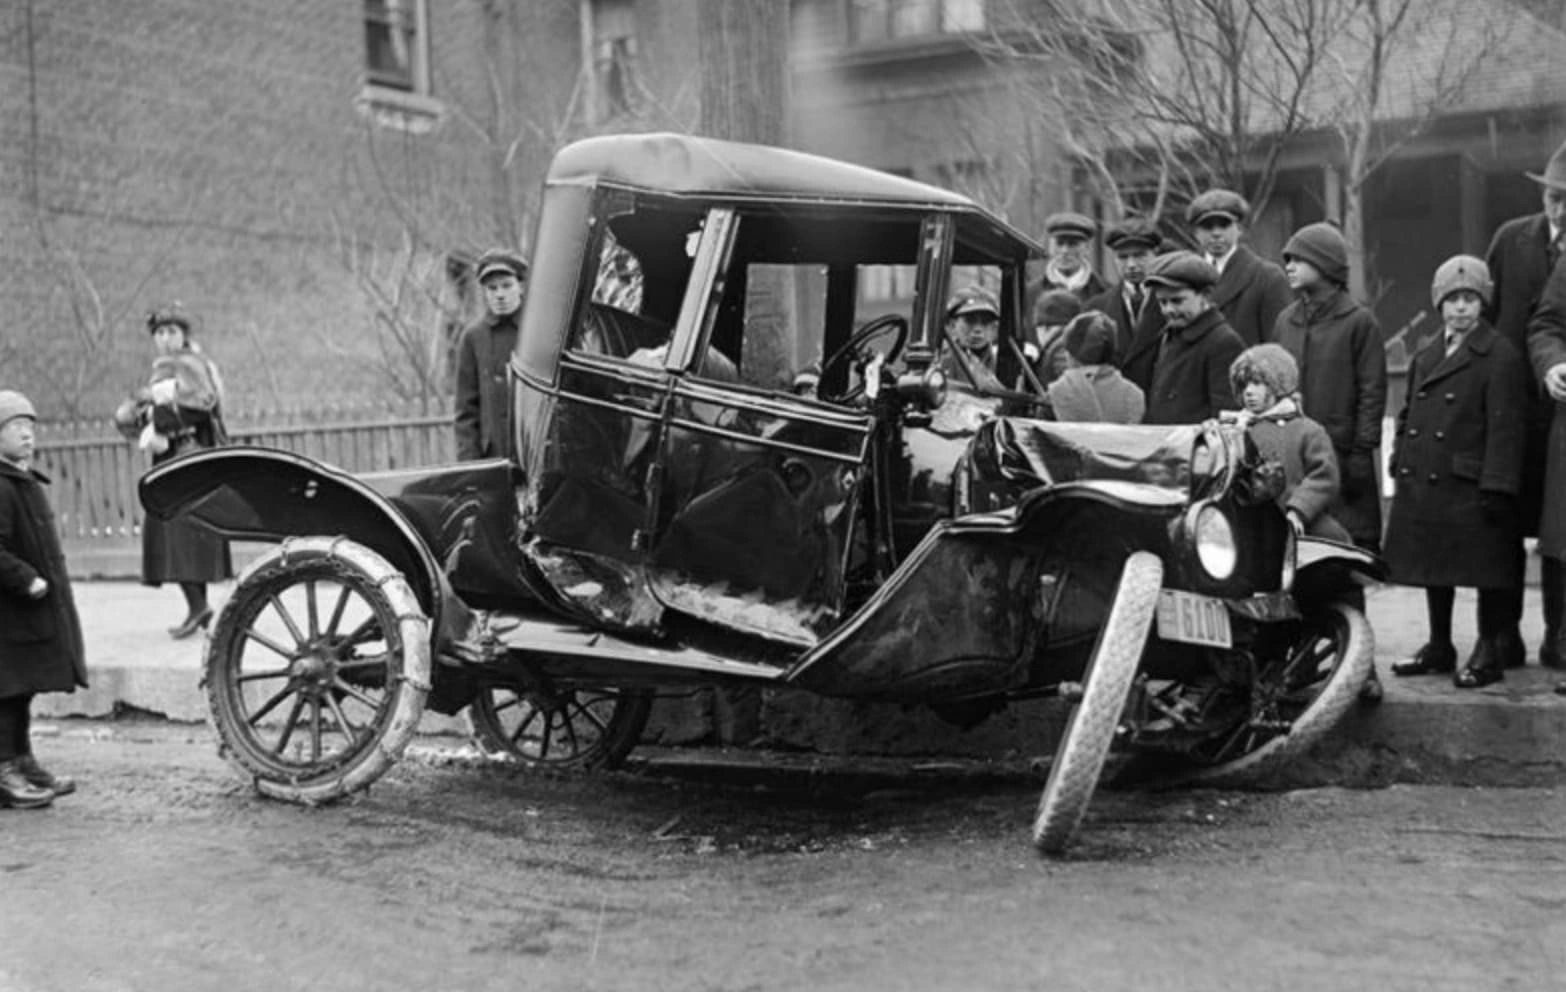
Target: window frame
{"type": "Point", "coordinates": [388, 101]}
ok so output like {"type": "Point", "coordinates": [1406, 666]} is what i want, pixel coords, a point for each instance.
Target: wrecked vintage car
{"type": "Point", "coordinates": [680, 511]}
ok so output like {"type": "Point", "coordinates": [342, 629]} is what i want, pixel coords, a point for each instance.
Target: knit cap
{"type": "Point", "coordinates": [1090, 338]}
{"type": "Point", "coordinates": [13, 404]}
{"type": "Point", "coordinates": [1056, 307]}
{"type": "Point", "coordinates": [1321, 245]}
{"type": "Point", "coordinates": [1269, 364]}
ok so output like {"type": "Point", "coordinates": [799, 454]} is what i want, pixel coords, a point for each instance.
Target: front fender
{"type": "Point", "coordinates": [1327, 570]}
{"type": "Point", "coordinates": [253, 493]}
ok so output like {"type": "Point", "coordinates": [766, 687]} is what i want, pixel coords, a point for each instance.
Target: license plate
{"type": "Point", "coordinates": [1192, 619]}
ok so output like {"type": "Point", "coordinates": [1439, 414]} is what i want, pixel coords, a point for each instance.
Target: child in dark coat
{"type": "Point", "coordinates": [1458, 466]}
{"type": "Point", "coordinates": [40, 635]}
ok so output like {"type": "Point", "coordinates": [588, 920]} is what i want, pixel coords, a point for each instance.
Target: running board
{"type": "Point", "coordinates": [535, 636]}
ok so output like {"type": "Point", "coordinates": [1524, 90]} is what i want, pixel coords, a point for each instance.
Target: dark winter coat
{"type": "Point", "coordinates": [1343, 387]}
{"type": "Point", "coordinates": [1459, 434]}
{"type": "Point", "coordinates": [483, 402]}
{"type": "Point", "coordinates": [1310, 466]}
{"type": "Point", "coordinates": [1546, 349]}
{"type": "Point", "coordinates": [1190, 380]}
{"type": "Point", "coordinates": [40, 639]}
{"type": "Point", "coordinates": [1251, 293]}
{"type": "Point", "coordinates": [178, 550]}
{"type": "Point", "coordinates": [1136, 337]}
{"type": "Point", "coordinates": [1519, 266]}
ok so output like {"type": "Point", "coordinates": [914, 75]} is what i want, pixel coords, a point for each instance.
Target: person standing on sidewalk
{"type": "Point", "coordinates": [1251, 292]}
{"type": "Point", "coordinates": [179, 411]}
{"type": "Point", "coordinates": [1343, 371]}
{"type": "Point", "coordinates": [483, 406]}
{"type": "Point", "coordinates": [1458, 466]}
{"type": "Point", "coordinates": [40, 633]}
{"type": "Point", "coordinates": [1190, 378]}
{"type": "Point", "coordinates": [1521, 255]}
{"type": "Point", "coordinates": [1547, 352]}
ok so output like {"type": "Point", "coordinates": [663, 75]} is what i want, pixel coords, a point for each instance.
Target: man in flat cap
{"type": "Point", "coordinates": [1069, 237]}
{"type": "Point", "coordinates": [1190, 381]}
{"type": "Point", "coordinates": [1138, 321]}
{"type": "Point", "coordinates": [1251, 292]}
{"type": "Point", "coordinates": [1521, 256]}
{"type": "Point", "coordinates": [483, 401]}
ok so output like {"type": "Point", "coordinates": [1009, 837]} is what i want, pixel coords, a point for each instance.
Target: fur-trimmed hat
{"type": "Point", "coordinates": [1323, 247]}
{"type": "Point", "coordinates": [1055, 307]}
{"type": "Point", "coordinates": [1269, 364]}
{"type": "Point", "coordinates": [13, 404]}
{"type": "Point", "coordinates": [1458, 273]}
{"type": "Point", "coordinates": [1090, 338]}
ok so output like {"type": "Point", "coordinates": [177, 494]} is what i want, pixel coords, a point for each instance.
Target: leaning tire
{"type": "Point", "coordinates": [1090, 730]}
{"type": "Point", "coordinates": [565, 729]}
{"type": "Point", "coordinates": [317, 670]}
{"type": "Point", "coordinates": [1325, 670]}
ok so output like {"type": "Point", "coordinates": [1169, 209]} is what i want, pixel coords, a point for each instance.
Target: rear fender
{"type": "Point", "coordinates": [261, 494]}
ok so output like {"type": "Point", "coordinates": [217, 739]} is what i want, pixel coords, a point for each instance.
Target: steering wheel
{"type": "Point", "coordinates": [858, 347]}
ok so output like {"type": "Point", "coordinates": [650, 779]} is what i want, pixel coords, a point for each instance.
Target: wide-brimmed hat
{"type": "Point", "coordinates": [1554, 174]}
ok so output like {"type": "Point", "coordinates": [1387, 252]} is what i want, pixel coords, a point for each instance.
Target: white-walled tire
{"type": "Point", "coordinates": [1090, 730]}
{"type": "Point", "coordinates": [1316, 686]}
{"type": "Point", "coordinates": [317, 670]}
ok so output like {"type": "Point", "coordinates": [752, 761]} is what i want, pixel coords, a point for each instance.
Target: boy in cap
{"type": "Point", "coordinates": [1521, 257]}
{"type": "Point", "coordinates": [973, 325]}
{"type": "Point", "coordinates": [40, 634]}
{"type": "Point", "coordinates": [1091, 389]}
{"type": "Point", "coordinates": [483, 402]}
{"type": "Point", "coordinates": [1250, 292]}
{"type": "Point", "coordinates": [1190, 377]}
{"type": "Point", "coordinates": [1135, 241]}
{"type": "Point", "coordinates": [1458, 466]}
{"type": "Point", "coordinates": [1343, 367]}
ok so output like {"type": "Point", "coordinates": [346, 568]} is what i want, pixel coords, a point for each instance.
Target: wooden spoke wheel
{"type": "Point", "coordinates": [560, 728]}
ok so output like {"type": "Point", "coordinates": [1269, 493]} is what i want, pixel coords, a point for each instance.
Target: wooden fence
{"type": "Point", "coordinates": [95, 470]}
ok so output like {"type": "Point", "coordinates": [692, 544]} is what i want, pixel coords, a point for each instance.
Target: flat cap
{"type": "Point", "coordinates": [13, 404]}
{"type": "Point", "coordinates": [500, 260]}
{"type": "Point", "coordinates": [1217, 202]}
{"type": "Point", "coordinates": [974, 299]}
{"type": "Point", "coordinates": [1070, 222]}
{"type": "Point", "coordinates": [1181, 270]}
{"type": "Point", "coordinates": [1133, 232]}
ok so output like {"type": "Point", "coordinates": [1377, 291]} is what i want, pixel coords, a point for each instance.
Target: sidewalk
{"type": "Point", "coordinates": [1511, 733]}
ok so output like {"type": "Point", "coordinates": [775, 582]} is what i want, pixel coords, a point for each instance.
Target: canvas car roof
{"type": "Point", "coordinates": [686, 165]}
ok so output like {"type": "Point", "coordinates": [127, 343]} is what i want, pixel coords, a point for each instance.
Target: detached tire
{"type": "Point", "coordinates": [1090, 730]}
{"type": "Point", "coordinates": [317, 670]}
{"type": "Point", "coordinates": [1313, 689]}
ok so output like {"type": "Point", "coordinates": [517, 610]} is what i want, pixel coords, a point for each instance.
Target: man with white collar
{"type": "Point", "coordinates": [1521, 257]}
{"type": "Point", "coordinates": [1138, 320]}
{"type": "Point", "coordinates": [1069, 237]}
{"type": "Point", "coordinates": [1251, 292]}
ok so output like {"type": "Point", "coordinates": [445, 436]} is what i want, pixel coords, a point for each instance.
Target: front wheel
{"type": "Point", "coordinates": [1297, 700]}
{"type": "Point", "coordinates": [1074, 772]}
{"type": "Point", "coordinates": [318, 669]}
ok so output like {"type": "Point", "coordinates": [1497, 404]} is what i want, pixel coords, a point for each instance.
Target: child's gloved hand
{"type": "Point", "coordinates": [38, 588]}
{"type": "Point", "coordinates": [163, 391]}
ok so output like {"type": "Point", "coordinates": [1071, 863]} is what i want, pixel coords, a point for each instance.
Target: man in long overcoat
{"type": "Point", "coordinates": [1129, 303]}
{"type": "Point", "coordinates": [483, 401]}
{"type": "Point", "coordinates": [1457, 461]}
{"type": "Point", "coordinates": [1250, 291]}
{"type": "Point", "coordinates": [1547, 350]}
{"type": "Point", "coordinates": [1521, 256]}
{"type": "Point", "coordinates": [40, 635]}
{"type": "Point", "coordinates": [1190, 381]}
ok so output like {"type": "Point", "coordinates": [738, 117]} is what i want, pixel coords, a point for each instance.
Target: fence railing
{"type": "Point", "coordinates": [95, 470]}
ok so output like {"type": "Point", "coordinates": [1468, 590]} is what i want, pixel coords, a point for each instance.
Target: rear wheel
{"type": "Point", "coordinates": [575, 729]}
{"type": "Point", "coordinates": [317, 670]}
{"type": "Point", "coordinates": [1296, 700]}
{"type": "Point", "coordinates": [1074, 772]}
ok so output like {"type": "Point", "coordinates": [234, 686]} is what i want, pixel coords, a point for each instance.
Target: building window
{"type": "Point", "coordinates": [397, 39]}
{"type": "Point", "coordinates": [614, 58]}
{"type": "Point", "coordinates": [885, 20]}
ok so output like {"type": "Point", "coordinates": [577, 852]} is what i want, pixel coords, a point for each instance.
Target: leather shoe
{"type": "Point", "coordinates": [1428, 660]}
{"type": "Point", "coordinates": [1483, 667]}
{"type": "Point", "coordinates": [36, 775]}
{"type": "Point", "coordinates": [17, 792]}
{"type": "Point", "coordinates": [193, 623]}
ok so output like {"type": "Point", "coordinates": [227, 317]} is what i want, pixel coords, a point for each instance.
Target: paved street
{"type": "Point", "coordinates": [164, 874]}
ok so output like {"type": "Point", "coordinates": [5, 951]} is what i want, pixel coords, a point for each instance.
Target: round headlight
{"type": "Point", "coordinates": [1215, 547]}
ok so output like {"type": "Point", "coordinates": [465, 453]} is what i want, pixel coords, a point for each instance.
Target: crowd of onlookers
{"type": "Point", "coordinates": [1182, 336]}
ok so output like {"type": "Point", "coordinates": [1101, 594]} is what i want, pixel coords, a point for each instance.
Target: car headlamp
{"type": "Point", "coordinates": [1214, 539]}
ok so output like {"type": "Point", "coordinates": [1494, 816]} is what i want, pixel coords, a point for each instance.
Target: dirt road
{"type": "Point", "coordinates": [164, 874]}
